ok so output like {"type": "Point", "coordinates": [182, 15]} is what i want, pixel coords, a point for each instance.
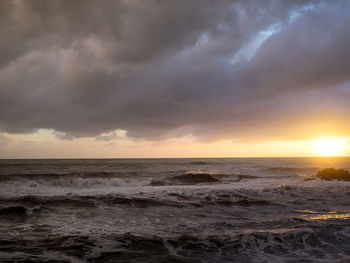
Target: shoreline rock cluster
{"type": "Point", "coordinates": [333, 174]}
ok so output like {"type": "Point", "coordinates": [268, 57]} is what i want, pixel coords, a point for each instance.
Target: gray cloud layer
{"type": "Point", "coordinates": [169, 68]}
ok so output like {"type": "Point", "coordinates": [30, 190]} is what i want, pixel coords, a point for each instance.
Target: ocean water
{"type": "Point", "coordinates": [173, 210]}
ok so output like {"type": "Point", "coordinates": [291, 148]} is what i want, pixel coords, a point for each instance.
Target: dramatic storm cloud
{"type": "Point", "coordinates": [167, 68]}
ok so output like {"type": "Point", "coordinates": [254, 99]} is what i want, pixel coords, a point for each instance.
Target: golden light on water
{"type": "Point", "coordinates": [330, 146]}
{"type": "Point", "coordinates": [328, 216]}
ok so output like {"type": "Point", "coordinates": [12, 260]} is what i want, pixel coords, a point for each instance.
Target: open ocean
{"type": "Point", "coordinates": [173, 210]}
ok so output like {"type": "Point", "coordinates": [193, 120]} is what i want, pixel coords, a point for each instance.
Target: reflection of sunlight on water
{"type": "Point", "coordinates": [330, 216]}
{"type": "Point", "coordinates": [307, 211]}
{"type": "Point", "coordinates": [327, 216]}
{"type": "Point", "coordinates": [278, 230]}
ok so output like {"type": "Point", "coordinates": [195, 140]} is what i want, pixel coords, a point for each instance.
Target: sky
{"type": "Point", "coordinates": [167, 78]}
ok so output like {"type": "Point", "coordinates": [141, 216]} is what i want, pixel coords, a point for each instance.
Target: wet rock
{"type": "Point", "coordinates": [333, 174]}
{"type": "Point", "coordinates": [13, 213]}
{"type": "Point", "coordinates": [195, 178]}
{"type": "Point", "coordinates": [187, 179]}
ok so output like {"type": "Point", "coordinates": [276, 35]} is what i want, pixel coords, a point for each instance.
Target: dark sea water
{"type": "Point", "coordinates": [173, 210]}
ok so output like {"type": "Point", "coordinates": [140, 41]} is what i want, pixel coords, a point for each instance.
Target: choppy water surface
{"type": "Point", "coordinates": [173, 210]}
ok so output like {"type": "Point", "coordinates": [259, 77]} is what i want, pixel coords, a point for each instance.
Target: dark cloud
{"type": "Point", "coordinates": [158, 69]}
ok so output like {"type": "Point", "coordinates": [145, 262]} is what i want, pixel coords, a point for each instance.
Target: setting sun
{"type": "Point", "coordinates": [329, 146]}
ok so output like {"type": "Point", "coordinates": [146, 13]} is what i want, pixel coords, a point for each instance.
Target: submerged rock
{"type": "Point", "coordinates": [195, 178]}
{"type": "Point", "coordinates": [186, 179]}
{"type": "Point", "coordinates": [13, 213]}
{"type": "Point", "coordinates": [333, 174]}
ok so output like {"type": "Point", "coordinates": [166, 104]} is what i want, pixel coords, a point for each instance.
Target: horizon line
{"type": "Point", "coordinates": [139, 158]}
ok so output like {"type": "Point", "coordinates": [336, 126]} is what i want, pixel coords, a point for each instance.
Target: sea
{"type": "Point", "coordinates": [173, 210]}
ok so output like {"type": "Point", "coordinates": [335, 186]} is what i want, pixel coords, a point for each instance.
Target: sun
{"type": "Point", "coordinates": [329, 146]}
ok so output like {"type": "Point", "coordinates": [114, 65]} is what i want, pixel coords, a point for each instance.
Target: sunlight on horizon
{"type": "Point", "coordinates": [330, 146]}
{"type": "Point", "coordinates": [46, 144]}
